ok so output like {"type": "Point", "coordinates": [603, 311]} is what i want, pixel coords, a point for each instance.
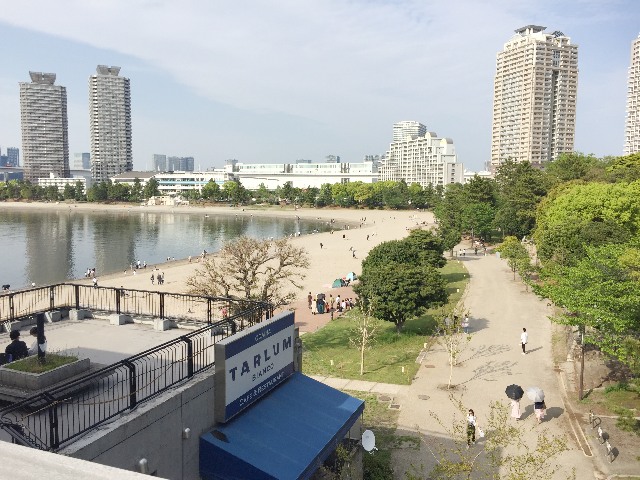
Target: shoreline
{"type": "Point", "coordinates": [334, 260]}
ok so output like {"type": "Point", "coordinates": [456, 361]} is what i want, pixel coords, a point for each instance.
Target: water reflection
{"type": "Point", "coordinates": [49, 247]}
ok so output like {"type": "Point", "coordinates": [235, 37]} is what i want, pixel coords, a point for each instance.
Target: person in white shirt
{"type": "Point", "coordinates": [34, 346]}
{"type": "Point", "coordinates": [471, 428]}
{"type": "Point", "coordinates": [524, 336]}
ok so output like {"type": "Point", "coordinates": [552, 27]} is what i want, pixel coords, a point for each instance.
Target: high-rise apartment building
{"type": "Point", "coordinates": [13, 156]}
{"type": "Point", "coordinates": [632, 124]}
{"type": "Point", "coordinates": [43, 115]}
{"type": "Point", "coordinates": [534, 100]}
{"type": "Point", "coordinates": [110, 123]}
{"type": "Point", "coordinates": [424, 159]}
{"type": "Point", "coordinates": [81, 161]}
{"type": "Point", "coordinates": [159, 162]}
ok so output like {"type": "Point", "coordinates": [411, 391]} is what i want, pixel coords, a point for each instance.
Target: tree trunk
{"type": "Point", "coordinates": [362, 356]}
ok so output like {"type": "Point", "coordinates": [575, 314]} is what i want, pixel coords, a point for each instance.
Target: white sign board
{"type": "Point", "coordinates": [251, 363]}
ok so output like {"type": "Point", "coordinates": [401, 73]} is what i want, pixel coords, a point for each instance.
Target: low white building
{"type": "Point", "coordinates": [60, 182]}
{"type": "Point", "coordinates": [176, 183]}
{"type": "Point", "coordinates": [422, 159]}
{"type": "Point", "coordinates": [468, 175]}
{"type": "Point", "coordinates": [303, 173]}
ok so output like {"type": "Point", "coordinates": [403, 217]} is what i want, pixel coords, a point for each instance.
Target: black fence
{"type": "Point", "coordinates": [22, 304]}
{"type": "Point", "coordinates": [52, 419]}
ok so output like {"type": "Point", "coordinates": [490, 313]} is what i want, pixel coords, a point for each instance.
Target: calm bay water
{"type": "Point", "coordinates": [54, 246]}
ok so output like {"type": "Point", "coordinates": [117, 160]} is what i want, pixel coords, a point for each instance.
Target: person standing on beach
{"type": "Point", "coordinates": [321, 245]}
{"type": "Point", "coordinates": [153, 278]}
{"type": "Point", "coordinates": [310, 300]}
{"type": "Point", "coordinates": [524, 338]}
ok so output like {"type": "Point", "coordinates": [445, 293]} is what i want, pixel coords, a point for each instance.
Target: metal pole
{"type": "Point", "coordinates": [41, 338]}
{"type": "Point", "coordinates": [581, 387]}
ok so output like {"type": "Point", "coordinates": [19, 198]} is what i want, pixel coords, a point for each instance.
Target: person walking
{"type": "Point", "coordinates": [515, 409]}
{"type": "Point", "coordinates": [540, 409]}
{"type": "Point", "coordinates": [465, 324]}
{"type": "Point", "coordinates": [321, 245]}
{"type": "Point", "coordinates": [524, 338]}
{"type": "Point", "coordinates": [309, 300]}
{"type": "Point", "coordinates": [471, 428]}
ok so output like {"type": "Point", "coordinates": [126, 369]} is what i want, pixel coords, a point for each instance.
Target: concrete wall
{"type": "Point", "coordinates": [154, 432]}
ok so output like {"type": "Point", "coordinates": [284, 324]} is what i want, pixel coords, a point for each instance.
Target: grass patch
{"type": "Point", "coordinates": [32, 365]}
{"type": "Point", "coordinates": [622, 399]}
{"type": "Point", "coordinates": [329, 352]}
{"type": "Point", "coordinates": [382, 421]}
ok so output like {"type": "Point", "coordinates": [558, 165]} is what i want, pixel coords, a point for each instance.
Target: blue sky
{"type": "Point", "coordinates": [272, 82]}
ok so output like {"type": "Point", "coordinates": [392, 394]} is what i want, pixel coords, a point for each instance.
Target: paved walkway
{"type": "Point", "coordinates": [500, 307]}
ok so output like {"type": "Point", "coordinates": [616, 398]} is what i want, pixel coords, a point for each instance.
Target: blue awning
{"type": "Point", "coordinates": [286, 435]}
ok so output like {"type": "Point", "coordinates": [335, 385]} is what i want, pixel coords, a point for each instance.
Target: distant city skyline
{"type": "Point", "coordinates": [266, 82]}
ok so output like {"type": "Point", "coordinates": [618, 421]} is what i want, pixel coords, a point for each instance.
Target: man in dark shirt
{"type": "Point", "coordinates": [17, 348]}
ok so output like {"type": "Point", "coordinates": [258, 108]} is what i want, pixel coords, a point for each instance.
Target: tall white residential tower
{"type": "Point", "coordinates": [534, 99]}
{"type": "Point", "coordinates": [43, 115]}
{"type": "Point", "coordinates": [110, 123]}
{"type": "Point", "coordinates": [632, 124]}
{"type": "Point", "coordinates": [420, 158]}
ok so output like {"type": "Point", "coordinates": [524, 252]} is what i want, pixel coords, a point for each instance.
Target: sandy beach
{"type": "Point", "coordinates": [359, 230]}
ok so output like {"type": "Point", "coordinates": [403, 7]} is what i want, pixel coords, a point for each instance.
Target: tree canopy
{"type": "Point", "coordinates": [252, 269]}
{"type": "Point", "coordinates": [600, 293]}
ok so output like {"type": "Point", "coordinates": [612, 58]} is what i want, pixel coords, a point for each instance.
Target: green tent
{"type": "Point", "coordinates": [337, 283]}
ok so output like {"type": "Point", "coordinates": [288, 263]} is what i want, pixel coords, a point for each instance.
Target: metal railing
{"type": "Point", "coordinates": [22, 304]}
{"type": "Point", "coordinates": [54, 418]}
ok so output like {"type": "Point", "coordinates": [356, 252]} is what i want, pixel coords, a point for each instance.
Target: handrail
{"type": "Point", "coordinates": [22, 304]}
{"type": "Point", "coordinates": [53, 418]}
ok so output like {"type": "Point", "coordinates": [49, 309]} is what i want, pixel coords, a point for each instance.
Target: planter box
{"type": "Point", "coordinates": [40, 381]}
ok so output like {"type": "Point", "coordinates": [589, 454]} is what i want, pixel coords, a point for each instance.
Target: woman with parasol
{"type": "Point", "coordinates": [536, 394]}
{"type": "Point", "coordinates": [515, 393]}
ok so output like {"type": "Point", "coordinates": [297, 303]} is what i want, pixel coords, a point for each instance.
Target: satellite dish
{"type": "Point", "coordinates": [368, 441]}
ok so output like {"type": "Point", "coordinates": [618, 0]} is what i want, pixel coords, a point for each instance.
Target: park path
{"type": "Point", "coordinates": [500, 307]}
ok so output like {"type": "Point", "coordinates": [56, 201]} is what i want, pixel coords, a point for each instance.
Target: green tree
{"type": "Point", "coordinates": [79, 191]}
{"type": "Point", "coordinates": [325, 197]}
{"type": "Point", "coordinates": [520, 189]}
{"type": "Point", "coordinates": [571, 166]}
{"type": "Point", "coordinates": [477, 218]}
{"type": "Point", "coordinates": [480, 190]}
{"type": "Point", "coordinates": [151, 189]}
{"type": "Point", "coordinates": [98, 192]}
{"type": "Point", "coordinates": [421, 197]}
{"type": "Point", "coordinates": [624, 169]}
{"type": "Point", "coordinates": [421, 247]}
{"type": "Point", "coordinates": [600, 295]}
{"type": "Point", "coordinates": [449, 209]}
{"type": "Point", "coordinates": [234, 192]}
{"type": "Point", "coordinates": [514, 252]}
{"type": "Point", "coordinates": [576, 215]}
{"type": "Point", "coordinates": [69, 192]}
{"type": "Point", "coordinates": [135, 193]}
{"type": "Point", "coordinates": [211, 191]}
{"type": "Point", "coordinates": [397, 292]}
{"type": "Point", "coordinates": [450, 237]}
